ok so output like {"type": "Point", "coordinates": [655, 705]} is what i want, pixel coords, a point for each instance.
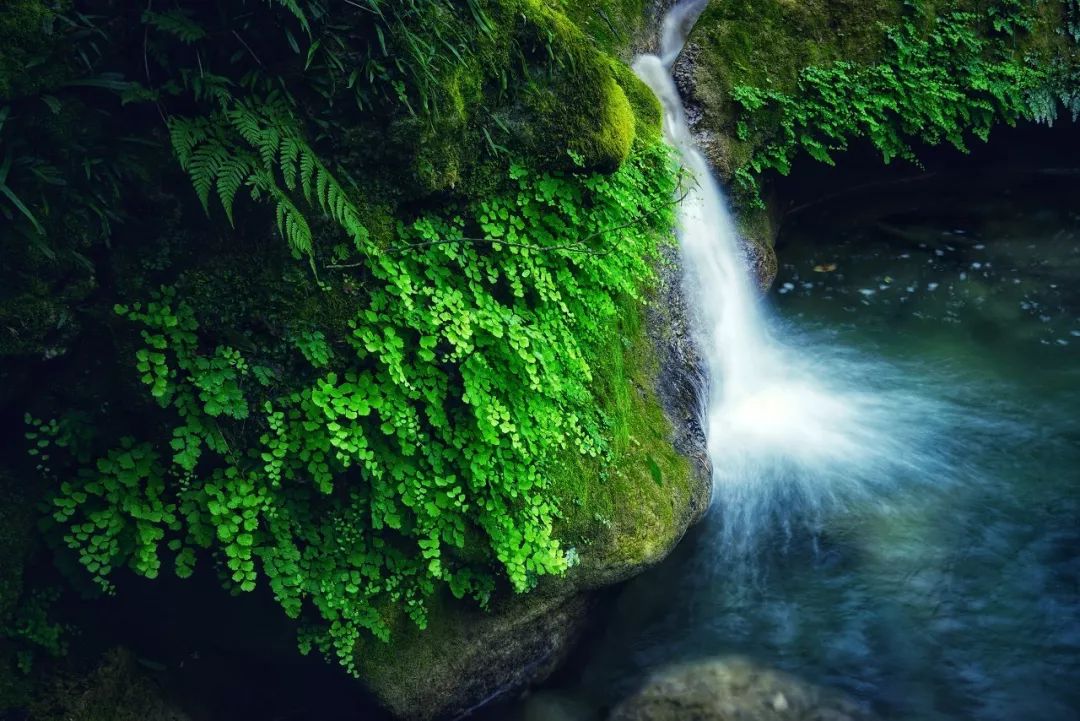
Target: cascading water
{"type": "Point", "coordinates": [790, 437]}
{"type": "Point", "coordinates": [895, 445]}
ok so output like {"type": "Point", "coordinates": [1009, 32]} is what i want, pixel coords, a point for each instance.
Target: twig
{"type": "Point", "coordinates": [855, 189]}
{"type": "Point", "coordinates": [248, 47]}
{"type": "Point", "coordinates": [361, 7]}
{"type": "Point", "coordinates": [572, 247]}
{"type": "Point", "coordinates": [146, 64]}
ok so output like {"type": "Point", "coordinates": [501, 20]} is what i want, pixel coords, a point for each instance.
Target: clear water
{"type": "Point", "coordinates": [949, 587]}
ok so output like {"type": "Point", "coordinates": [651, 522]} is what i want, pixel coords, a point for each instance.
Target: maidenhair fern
{"type": "Point", "coordinates": [414, 450]}
{"type": "Point", "coordinates": [936, 84]}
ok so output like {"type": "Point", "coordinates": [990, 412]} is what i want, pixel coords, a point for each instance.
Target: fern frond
{"type": "Point", "coordinates": [206, 163]}
{"type": "Point", "coordinates": [291, 223]}
{"type": "Point", "coordinates": [212, 152]}
{"type": "Point", "coordinates": [291, 149]}
{"type": "Point", "coordinates": [308, 165]}
{"type": "Point", "coordinates": [231, 176]}
{"type": "Point", "coordinates": [177, 23]}
{"type": "Point", "coordinates": [296, 11]}
{"type": "Point", "coordinates": [185, 134]}
{"type": "Point", "coordinates": [322, 184]}
{"type": "Point", "coordinates": [247, 123]}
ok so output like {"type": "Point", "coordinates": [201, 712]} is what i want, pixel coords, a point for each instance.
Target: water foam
{"type": "Point", "coordinates": [794, 433]}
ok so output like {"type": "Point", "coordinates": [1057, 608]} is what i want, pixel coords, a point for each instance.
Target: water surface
{"type": "Point", "coordinates": [935, 575]}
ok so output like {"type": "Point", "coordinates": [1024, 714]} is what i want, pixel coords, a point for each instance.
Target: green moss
{"type": "Point", "coordinates": [575, 104]}
{"type": "Point", "coordinates": [613, 25]}
{"type": "Point", "coordinates": [609, 144]}
{"type": "Point", "coordinates": [648, 115]}
{"type": "Point", "coordinates": [117, 690]}
{"type": "Point", "coordinates": [26, 29]}
{"type": "Point", "coordinates": [622, 512]}
{"type": "Point", "coordinates": [543, 81]}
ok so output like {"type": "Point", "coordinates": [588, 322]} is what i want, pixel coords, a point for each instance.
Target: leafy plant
{"type": "Point", "coordinates": [934, 84]}
{"type": "Point", "coordinates": [420, 456]}
{"type": "Point", "coordinates": [34, 631]}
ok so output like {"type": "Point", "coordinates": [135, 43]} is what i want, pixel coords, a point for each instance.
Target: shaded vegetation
{"type": "Point", "coordinates": [473, 190]}
{"type": "Point", "coordinates": [342, 300]}
{"type": "Point", "coordinates": [892, 72]}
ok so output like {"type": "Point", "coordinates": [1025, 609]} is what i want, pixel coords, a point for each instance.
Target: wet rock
{"type": "Point", "coordinates": [119, 689]}
{"type": "Point", "coordinates": [468, 658]}
{"type": "Point", "coordinates": [757, 227]}
{"type": "Point", "coordinates": [734, 689]}
{"type": "Point", "coordinates": [683, 383]}
{"type": "Point", "coordinates": [761, 259]}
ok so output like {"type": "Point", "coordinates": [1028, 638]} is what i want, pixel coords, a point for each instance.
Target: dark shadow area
{"type": "Point", "coordinates": [815, 192]}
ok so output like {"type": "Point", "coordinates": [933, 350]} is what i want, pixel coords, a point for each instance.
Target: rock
{"type": "Point", "coordinates": [468, 658]}
{"type": "Point", "coordinates": [683, 382]}
{"type": "Point", "coordinates": [734, 689]}
{"type": "Point", "coordinates": [119, 689]}
{"type": "Point", "coordinates": [757, 227]}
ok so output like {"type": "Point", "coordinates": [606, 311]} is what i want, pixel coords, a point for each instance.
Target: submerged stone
{"type": "Point", "coordinates": [734, 689]}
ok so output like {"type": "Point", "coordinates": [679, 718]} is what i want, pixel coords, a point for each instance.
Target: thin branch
{"type": "Point", "coordinates": [361, 7]}
{"type": "Point", "coordinates": [576, 247]}
{"type": "Point", "coordinates": [248, 47]}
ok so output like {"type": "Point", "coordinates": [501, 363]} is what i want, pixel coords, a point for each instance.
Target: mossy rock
{"type": "Point", "coordinates": [467, 658]}
{"type": "Point", "coordinates": [116, 690]}
{"type": "Point", "coordinates": [620, 520]}
{"type": "Point", "coordinates": [725, 689]}
{"type": "Point", "coordinates": [768, 43]}
{"type": "Point", "coordinates": [26, 27]}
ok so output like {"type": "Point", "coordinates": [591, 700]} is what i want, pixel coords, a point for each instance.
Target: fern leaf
{"type": "Point", "coordinates": [322, 184]}
{"type": "Point", "coordinates": [206, 162]}
{"type": "Point", "coordinates": [185, 134]}
{"type": "Point", "coordinates": [308, 165]}
{"type": "Point", "coordinates": [246, 123]}
{"type": "Point", "coordinates": [297, 12]}
{"type": "Point", "coordinates": [233, 173]}
{"type": "Point", "coordinates": [177, 23]}
{"type": "Point", "coordinates": [290, 152]}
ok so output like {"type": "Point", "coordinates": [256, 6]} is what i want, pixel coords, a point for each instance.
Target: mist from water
{"type": "Point", "coordinates": [796, 431]}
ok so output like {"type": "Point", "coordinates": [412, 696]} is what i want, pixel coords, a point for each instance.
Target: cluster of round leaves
{"type": "Point", "coordinates": [33, 630]}
{"type": "Point", "coordinates": [933, 84]}
{"type": "Point", "coordinates": [417, 451]}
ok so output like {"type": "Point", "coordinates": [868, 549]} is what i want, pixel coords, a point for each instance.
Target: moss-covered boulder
{"type": "Point", "coordinates": [620, 520]}
{"type": "Point", "coordinates": [771, 81]}
{"type": "Point", "coordinates": [734, 689]}
{"type": "Point", "coordinates": [116, 689]}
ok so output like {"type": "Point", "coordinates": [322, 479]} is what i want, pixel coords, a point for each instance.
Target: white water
{"type": "Point", "coordinates": [795, 434]}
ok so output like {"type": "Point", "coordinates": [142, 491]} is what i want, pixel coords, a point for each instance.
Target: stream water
{"type": "Point", "coordinates": [896, 449]}
{"type": "Point", "coordinates": [948, 587]}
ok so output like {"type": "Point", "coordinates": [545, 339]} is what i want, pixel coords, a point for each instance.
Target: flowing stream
{"type": "Point", "coordinates": [793, 436]}
{"type": "Point", "coordinates": [896, 450]}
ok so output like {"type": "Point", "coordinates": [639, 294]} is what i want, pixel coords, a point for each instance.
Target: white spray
{"type": "Point", "coordinates": [791, 435]}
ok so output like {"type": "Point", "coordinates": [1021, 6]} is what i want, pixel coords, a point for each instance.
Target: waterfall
{"type": "Point", "coordinates": [793, 434]}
